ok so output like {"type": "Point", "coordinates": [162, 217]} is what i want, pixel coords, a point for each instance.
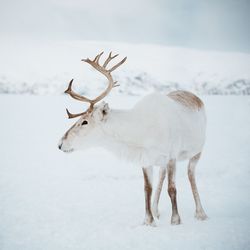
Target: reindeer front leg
{"type": "Point", "coordinates": [162, 175]}
{"type": "Point", "coordinates": [147, 172]}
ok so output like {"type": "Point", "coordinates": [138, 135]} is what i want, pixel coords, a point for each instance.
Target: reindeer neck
{"type": "Point", "coordinates": [119, 128]}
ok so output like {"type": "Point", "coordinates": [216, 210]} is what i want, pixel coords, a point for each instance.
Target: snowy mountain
{"type": "Point", "coordinates": [35, 68]}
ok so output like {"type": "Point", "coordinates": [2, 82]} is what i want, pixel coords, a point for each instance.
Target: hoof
{"type": "Point", "coordinates": [149, 221]}
{"type": "Point", "coordinates": [200, 215]}
{"type": "Point", "coordinates": [156, 213]}
{"type": "Point", "coordinates": [151, 224]}
{"type": "Point", "coordinates": [176, 220]}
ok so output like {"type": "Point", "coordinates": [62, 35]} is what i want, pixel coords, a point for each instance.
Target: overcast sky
{"type": "Point", "coordinates": [204, 24]}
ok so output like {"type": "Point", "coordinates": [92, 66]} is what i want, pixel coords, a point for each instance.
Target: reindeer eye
{"type": "Point", "coordinates": [84, 122]}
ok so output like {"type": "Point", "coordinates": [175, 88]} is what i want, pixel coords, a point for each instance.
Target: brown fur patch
{"type": "Point", "coordinates": [67, 133]}
{"type": "Point", "coordinates": [171, 167]}
{"type": "Point", "coordinates": [187, 99]}
{"type": "Point", "coordinates": [148, 193]}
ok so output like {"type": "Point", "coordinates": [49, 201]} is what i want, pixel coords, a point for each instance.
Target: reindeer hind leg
{"type": "Point", "coordinates": [175, 218]}
{"type": "Point", "coordinates": [199, 212]}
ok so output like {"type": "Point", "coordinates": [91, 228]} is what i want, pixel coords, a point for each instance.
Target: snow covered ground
{"type": "Point", "coordinates": [46, 68]}
{"type": "Point", "coordinates": [89, 200]}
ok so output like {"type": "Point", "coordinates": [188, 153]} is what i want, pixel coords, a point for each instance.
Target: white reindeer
{"type": "Point", "coordinates": [158, 131]}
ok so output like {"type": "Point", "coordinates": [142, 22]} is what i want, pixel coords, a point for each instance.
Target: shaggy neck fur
{"type": "Point", "coordinates": [123, 133]}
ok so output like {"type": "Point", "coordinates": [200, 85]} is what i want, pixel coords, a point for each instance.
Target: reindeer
{"type": "Point", "coordinates": [158, 131]}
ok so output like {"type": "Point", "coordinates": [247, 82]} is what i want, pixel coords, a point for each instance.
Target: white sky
{"type": "Point", "coordinates": [206, 24]}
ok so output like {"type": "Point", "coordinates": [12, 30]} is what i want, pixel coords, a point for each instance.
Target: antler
{"type": "Point", "coordinates": [103, 70]}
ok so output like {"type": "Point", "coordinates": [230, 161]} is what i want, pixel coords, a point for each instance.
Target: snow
{"type": "Point", "coordinates": [46, 68]}
{"type": "Point", "coordinates": [91, 200]}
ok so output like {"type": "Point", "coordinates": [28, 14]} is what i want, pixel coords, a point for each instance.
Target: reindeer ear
{"type": "Point", "coordinates": [105, 109]}
{"type": "Point", "coordinates": [101, 112]}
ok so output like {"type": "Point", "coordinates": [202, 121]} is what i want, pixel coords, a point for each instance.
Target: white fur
{"type": "Point", "coordinates": [156, 130]}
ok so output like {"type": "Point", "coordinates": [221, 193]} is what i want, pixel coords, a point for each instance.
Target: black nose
{"type": "Point", "coordinates": [60, 146]}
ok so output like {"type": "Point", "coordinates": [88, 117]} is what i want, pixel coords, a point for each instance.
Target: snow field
{"type": "Point", "coordinates": [91, 200]}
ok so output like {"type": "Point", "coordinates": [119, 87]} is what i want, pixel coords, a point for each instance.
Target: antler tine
{"type": "Point", "coordinates": [69, 87]}
{"type": "Point", "coordinates": [70, 115]}
{"type": "Point", "coordinates": [118, 64]}
{"type": "Point", "coordinates": [115, 84]}
{"type": "Point", "coordinates": [75, 95]}
{"type": "Point", "coordinates": [97, 58]}
{"type": "Point", "coordinates": [110, 57]}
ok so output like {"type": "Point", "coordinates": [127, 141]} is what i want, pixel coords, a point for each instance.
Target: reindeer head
{"type": "Point", "coordinates": [83, 131]}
